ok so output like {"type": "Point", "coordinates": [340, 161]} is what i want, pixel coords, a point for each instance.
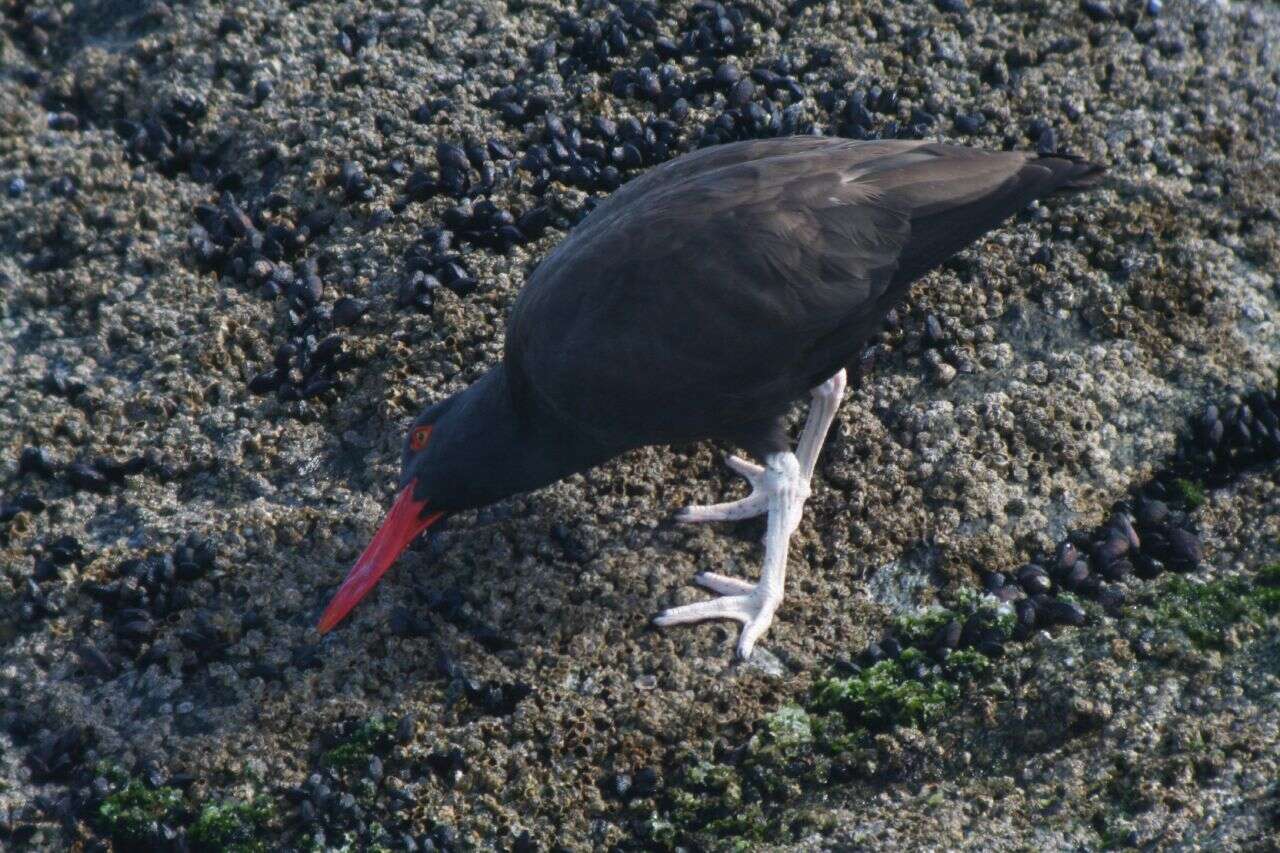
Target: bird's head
{"type": "Point", "coordinates": [415, 509]}
{"type": "Point", "coordinates": [466, 451]}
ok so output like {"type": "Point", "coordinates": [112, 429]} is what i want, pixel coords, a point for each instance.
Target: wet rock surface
{"type": "Point", "coordinates": [1152, 728]}
{"type": "Point", "coordinates": [240, 247]}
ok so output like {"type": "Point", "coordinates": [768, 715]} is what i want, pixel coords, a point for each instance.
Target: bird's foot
{"type": "Point", "coordinates": [750, 604]}
{"type": "Point", "coordinates": [778, 488]}
{"type": "Point", "coordinates": [756, 503]}
{"type": "Point", "coordinates": [784, 490]}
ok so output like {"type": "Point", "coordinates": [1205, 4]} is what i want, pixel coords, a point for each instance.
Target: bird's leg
{"type": "Point", "coordinates": [782, 486]}
{"type": "Point", "coordinates": [754, 604]}
{"type": "Point", "coordinates": [822, 411]}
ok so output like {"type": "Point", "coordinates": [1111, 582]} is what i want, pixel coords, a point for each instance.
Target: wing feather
{"type": "Point", "coordinates": [716, 289]}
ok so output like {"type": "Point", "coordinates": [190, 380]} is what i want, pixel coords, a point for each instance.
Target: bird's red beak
{"type": "Point", "coordinates": [402, 525]}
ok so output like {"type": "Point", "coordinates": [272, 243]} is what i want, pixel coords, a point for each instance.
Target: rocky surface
{"type": "Point", "coordinates": [187, 189]}
{"type": "Point", "coordinates": [1154, 728]}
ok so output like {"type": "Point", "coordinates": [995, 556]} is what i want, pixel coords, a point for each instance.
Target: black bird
{"type": "Point", "coordinates": [701, 301]}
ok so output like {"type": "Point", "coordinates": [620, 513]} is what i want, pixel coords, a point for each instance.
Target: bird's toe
{"type": "Point", "coordinates": [734, 607]}
{"type": "Point", "coordinates": [751, 632]}
{"type": "Point", "coordinates": [756, 503]}
{"type": "Point", "coordinates": [748, 507]}
{"type": "Point", "coordinates": [738, 601]}
{"type": "Point", "coordinates": [722, 584]}
{"type": "Point", "coordinates": [754, 628]}
{"type": "Point", "coordinates": [746, 468]}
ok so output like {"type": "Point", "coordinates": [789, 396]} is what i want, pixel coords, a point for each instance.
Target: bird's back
{"type": "Point", "coordinates": [710, 293]}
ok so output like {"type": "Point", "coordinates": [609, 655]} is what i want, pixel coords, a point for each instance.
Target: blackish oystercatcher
{"type": "Point", "coordinates": [701, 301]}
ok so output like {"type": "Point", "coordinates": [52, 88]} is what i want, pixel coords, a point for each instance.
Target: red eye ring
{"type": "Point", "coordinates": [418, 438]}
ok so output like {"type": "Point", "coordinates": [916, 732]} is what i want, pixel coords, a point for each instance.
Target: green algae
{"type": "Point", "coordinates": [825, 738]}
{"type": "Point", "coordinates": [913, 629]}
{"type": "Point", "coordinates": [886, 694]}
{"type": "Point", "coordinates": [371, 737]}
{"type": "Point", "coordinates": [787, 729]}
{"type": "Point", "coordinates": [131, 817]}
{"type": "Point", "coordinates": [1190, 492]}
{"type": "Point", "coordinates": [1205, 611]}
{"type": "Point", "coordinates": [1269, 575]}
{"type": "Point", "coordinates": [751, 798]}
{"type": "Point", "coordinates": [967, 665]}
{"type": "Point", "coordinates": [234, 827]}
{"type": "Point", "coordinates": [918, 628]}
{"type": "Point", "coordinates": [716, 804]}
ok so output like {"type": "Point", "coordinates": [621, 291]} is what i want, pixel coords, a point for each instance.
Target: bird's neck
{"type": "Point", "coordinates": [516, 445]}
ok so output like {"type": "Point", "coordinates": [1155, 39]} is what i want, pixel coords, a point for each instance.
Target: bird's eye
{"type": "Point", "coordinates": [418, 438]}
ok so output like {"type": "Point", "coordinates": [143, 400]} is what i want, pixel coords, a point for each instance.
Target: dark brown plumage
{"type": "Point", "coordinates": [739, 277]}
{"type": "Point", "coordinates": [702, 300]}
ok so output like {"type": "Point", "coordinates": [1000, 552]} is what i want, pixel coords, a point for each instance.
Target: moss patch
{"type": "Point", "coordinates": [132, 816]}
{"type": "Point", "coordinates": [967, 665]}
{"type": "Point", "coordinates": [1204, 611]}
{"type": "Point", "coordinates": [370, 737]}
{"type": "Point", "coordinates": [787, 729]}
{"type": "Point", "coordinates": [233, 827]}
{"type": "Point", "coordinates": [749, 798]}
{"type": "Point", "coordinates": [918, 628]}
{"type": "Point", "coordinates": [707, 803]}
{"type": "Point", "coordinates": [885, 694]}
{"type": "Point", "coordinates": [1269, 575]}
{"type": "Point", "coordinates": [1189, 492]}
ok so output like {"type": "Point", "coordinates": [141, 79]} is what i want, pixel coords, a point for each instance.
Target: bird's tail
{"type": "Point", "coordinates": [1075, 172]}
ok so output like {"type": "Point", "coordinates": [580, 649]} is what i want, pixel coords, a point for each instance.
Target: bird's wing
{"type": "Point", "coordinates": [714, 290]}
